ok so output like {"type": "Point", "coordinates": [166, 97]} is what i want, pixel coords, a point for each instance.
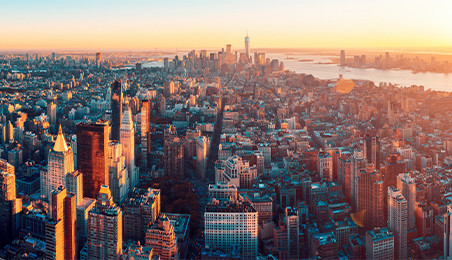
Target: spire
{"type": "Point", "coordinates": [126, 123]}
{"type": "Point", "coordinates": [60, 143]}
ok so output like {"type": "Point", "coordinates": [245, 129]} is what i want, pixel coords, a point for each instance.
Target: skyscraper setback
{"type": "Point", "coordinates": [116, 109]}
{"type": "Point", "coordinates": [92, 161]}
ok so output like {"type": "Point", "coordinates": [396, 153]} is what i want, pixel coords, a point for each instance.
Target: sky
{"type": "Point", "coordinates": [183, 24]}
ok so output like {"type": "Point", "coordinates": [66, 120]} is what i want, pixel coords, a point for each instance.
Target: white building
{"type": "Point", "coordinates": [228, 224]}
{"type": "Point", "coordinates": [397, 221]}
{"type": "Point", "coordinates": [127, 138]}
{"type": "Point", "coordinates": [117, 172]}
{"type": "Point", "coordinates": [60, 163]}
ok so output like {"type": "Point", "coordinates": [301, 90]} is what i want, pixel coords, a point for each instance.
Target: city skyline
{"type": "Point", "coordinates": [202, 24]}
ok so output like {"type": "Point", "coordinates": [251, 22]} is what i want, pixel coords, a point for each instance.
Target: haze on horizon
{"type": "Point", "coordinates": [147, 25]}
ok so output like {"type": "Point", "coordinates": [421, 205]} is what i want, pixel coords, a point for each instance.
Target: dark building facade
{"type": "Point", "coordinates": [116, 109]}
{"type": "Point", "coordinates": [92, 158]}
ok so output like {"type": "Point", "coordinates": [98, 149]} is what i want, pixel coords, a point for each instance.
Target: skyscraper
{"type": "Point", "coordinates": [60, 164]}
{"type": "Point", "coordinates": [397, 221]}
{"type": "Point", "coordinates": [447, 217]}
{"type": "Point", "coordinates": [342, 58]}
{"type": "Point", "coordinates": [74, 184]}
{"type": "Point", "coordinates": [92, 161]}
{"type": "Point", "coordinates": [372, 150]}
{"type": "Point", "coordinates": [117, 172]}
{"type": "Point", "coordinates": [116, 109]}
{"type": "Point", "coordinates": [10, 205]}
{"type": "Point", "coordinates": [174, 157]}
{"type": "Point", "coordinates": [370, 197]}
{"type": "Point", "coordinates": [127, 137]}
{"type": "Point", "coordinates": [60, 233]}
{"type": "Point", "coordinates": [105, 228]}
{"type": "Point", "coordinates": [292, 225]}
{"type": "Point", "coordinates": [380, 244]}
{"type": "Point", "coordinates": [145, 134]}
{"type": "Point", "coordinates": [407, 187]}
{"type": "Point", "coordinates": [51, 113]}
{"type": "Point", "coordinates": [247, 47]}
{"type": "Point", "coordinates": [202, 146]}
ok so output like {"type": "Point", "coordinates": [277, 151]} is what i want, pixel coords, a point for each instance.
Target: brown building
{"type": "Point", "coordinates": [174, 157]}
{"type": "Point", "coordinates": [324, 246]}
{"type": "Point", "coordinates": [92, 158]}
{"type": "Point", "coordinates": [370, 198]}
{"type": "Point", "coordinates": [10, 205]}
{"type": "Point", "coordinates": [161, 237]}
{"type": "Point", "coordinates": [139, 211]}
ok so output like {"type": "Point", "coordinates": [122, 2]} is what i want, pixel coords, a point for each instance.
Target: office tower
{"type": "Point", "coordinates": [116, 109]}
{"type": "Point", "coordinates": [10, 205]}
{"type": "Point", "coordinates": [105, 228]}
{"type": "Point", "coordinates": [174, 157]}
{"type": "Point", "coordinates": [51, 113]}
{"type": "Point", "coordinates": [145, 132]}
{"type": "Point", "coordinates": [379, 244]}
{"type": "Point", "coordinates": [325, 166]}
{"type": "Point", "coordinates": [247, 47]}
{"type": "Point", "coordinates": [342, 58]}
{"type": "Point", "coordinates": [202, 146]}
{"type": "Point", "coordinates": [117, 172]}
{"type": "Point", "coordinates": [370, 197]}
{"type": "Point", "coordinates": [397, 221]}
{"type": "Point", "coordinates": [74, 184]}
{"type": "Point", "coordinates": [237, 172]}
{"type": "Point", "coordinates": [344, 175]}
{"type": "Point", "coordinates": [93, 140]}
{"type": "Point", "coordinates": [60, 233]}
{"type": "Point", "coordinates": [407, 187]}
{"type": "Point", "coordinates": [127, 137]}
{"type": "Point", "coordinates": [161, 237]}
{"type": "Point", "coordinates": [229, 223]}
{"type": "Point", "coordinates": [142, 208]}
{"type": "Point", "coordinates": [358, 162]}
{"type": "Point", "coordinates": [9, 132]}
{"type": "Point", "coordinates": [82, 213]}
{"type": "Point", "coordinates": [60, 164]}
{"type": "Point", "coordinates": [447, 242]}
{"type": "Point", "coordinates": [372, 150]}
{"type": "Point", "coordinates": [292, 225]}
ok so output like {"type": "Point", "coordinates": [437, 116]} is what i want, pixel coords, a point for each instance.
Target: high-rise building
{"type": "Point", "coordinates": [407, 187]}
{"type": "Point", "coordinates": [98, 58]}
{"type": "Point", "coordinates": [237, 172]}
{"type": "Point", "coordinates": [105, 228]}
{"type": "Point", "coordinates": [141, 209]}
{"type": "Point", "coordinates": [292, 225]}
{"type": "Point", "coordinates": [93, 140]}
{"type": "Point", "coordinates": [10, 205]}
{"type": "Point", "coordinates": [117, 172]}
{"type": "Point", "coordinates": [370, 197]}
{"type": "Point", "coordinates": [161, 237]}
{"type": "Point", "coordinates": [82, 212]}
{"type": "Point", "coordinates": [397, 221]}
{"type": "Point", "coordinates": [174, 157]}
{"type": "Point", "coordinates": [127, 137]}
{"type": "Point", "coordinates": [325, 166]}
{"type": "Point", "coordinates": [60, 164]}
{"type": "Point", "coordinates": [372, 150]}
{"type": "Point", "coordinates": [60, 233]}
{"type": "Point", "coordinates": [344, 175]}
{"type": "Point", "coordinates": [247, 47]}
{"type": "Point", "coordinates": [229, 223]}
{"type": "Point", "coordinates": [202, 147]}
{"type": "Point", "coordinates": [51, 113]}
{"type": "Point", "coordinates": [169, 88]}
{"type": "Point", "coordinates": [116, 109]}
{"type": "Point", "coordinates": [380, 244]}
{"type": "Point", "coordinates": [145, 133]}
{"type": "Point", "coordinates": [358, 162]}
{"type": "Point", "coordinates": [393, 167]}
{"type": "Point", "coordinates": [74, 184]}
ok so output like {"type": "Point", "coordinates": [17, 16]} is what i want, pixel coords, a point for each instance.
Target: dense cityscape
{"type": "Point", "coordinates": [218, 155]}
